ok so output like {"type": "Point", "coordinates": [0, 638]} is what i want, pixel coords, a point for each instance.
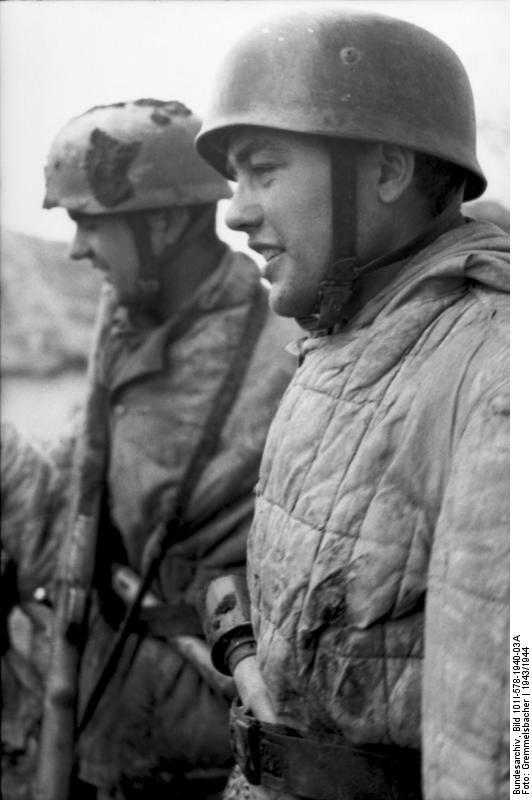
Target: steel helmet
{"type": "Point", "coordinates": [352, 76]}
{"type": "Point", "coordinates": [130, 156]}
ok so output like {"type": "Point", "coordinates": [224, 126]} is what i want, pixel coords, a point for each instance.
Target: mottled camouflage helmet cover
{"type": "Point", "coordinates": [127, 157]}
{"type": "Point", "coordinates": [348, 75]}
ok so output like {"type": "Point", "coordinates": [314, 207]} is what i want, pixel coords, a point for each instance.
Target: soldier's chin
{"type": "Point", "coordinates": [286, 303]}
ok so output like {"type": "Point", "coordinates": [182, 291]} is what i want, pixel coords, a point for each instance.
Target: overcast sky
{"type": "Point", "coordinates": [60, 57]}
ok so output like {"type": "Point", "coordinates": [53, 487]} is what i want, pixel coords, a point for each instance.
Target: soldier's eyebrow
{"type": "Point", "coordinates": [240, 154]}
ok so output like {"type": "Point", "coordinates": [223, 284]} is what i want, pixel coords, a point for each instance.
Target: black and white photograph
{"type": "Point", "coordinates": [255, 400]}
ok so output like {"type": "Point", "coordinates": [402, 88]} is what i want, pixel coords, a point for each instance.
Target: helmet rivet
{"type": "Point", "coordinates": [349, 55]}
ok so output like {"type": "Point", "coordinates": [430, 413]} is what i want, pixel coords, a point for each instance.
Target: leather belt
{"type": "Point", "coordinates": [325, 768]}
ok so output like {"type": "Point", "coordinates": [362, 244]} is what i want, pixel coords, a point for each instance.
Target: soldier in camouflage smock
{"type": "Point", "coordinates": [190, 328]}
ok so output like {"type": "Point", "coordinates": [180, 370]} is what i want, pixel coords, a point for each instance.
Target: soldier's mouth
{"type": "Point", "coordinates": [267, 251]}
{"type": "Point", "coordinates": [100, 267]}
{"type": "Point", "coordinates": [271, 253]}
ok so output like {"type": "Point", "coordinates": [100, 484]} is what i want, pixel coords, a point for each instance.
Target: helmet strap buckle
{"type": "Point", "coordinates": [337, 291]}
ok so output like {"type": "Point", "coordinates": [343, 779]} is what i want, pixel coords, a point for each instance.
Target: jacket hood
{"type": "Point", "coordinates": [480, 252]}
{"type": "Point", "coordinates": [472, 253]}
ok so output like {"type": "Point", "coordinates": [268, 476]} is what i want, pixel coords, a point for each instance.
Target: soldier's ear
{"type": "Point", "coordinates": [167, 226]}
{"type": "Point", "coordinates": [396, 172]}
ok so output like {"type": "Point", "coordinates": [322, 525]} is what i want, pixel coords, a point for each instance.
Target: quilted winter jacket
{"type": "Point", "coordinates": [378, 557]}
{"type": "Point", "coordinates": [159, 718]}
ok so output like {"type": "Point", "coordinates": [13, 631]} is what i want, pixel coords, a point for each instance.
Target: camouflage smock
{"type": "Point", "coordinates": [159, 721]}
{"type": "Point", "coordinates": [378, 557]}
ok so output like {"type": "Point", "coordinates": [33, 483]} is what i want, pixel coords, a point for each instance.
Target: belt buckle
{"type": "Point", "coordinates": [245, 741]}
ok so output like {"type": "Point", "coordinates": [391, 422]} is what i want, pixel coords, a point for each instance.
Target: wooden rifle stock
{"type": "Point", "coordinates": [74, 582]}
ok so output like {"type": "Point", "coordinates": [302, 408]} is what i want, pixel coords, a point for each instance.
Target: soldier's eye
{"type": "Point", "coordinates": [263, 168]}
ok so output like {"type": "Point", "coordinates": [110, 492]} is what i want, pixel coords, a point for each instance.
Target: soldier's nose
{"type": "Point", "coordinates": [242, 213]}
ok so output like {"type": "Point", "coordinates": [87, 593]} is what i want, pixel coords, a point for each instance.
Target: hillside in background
{"type": "Point", "coordinates": [48, 305]}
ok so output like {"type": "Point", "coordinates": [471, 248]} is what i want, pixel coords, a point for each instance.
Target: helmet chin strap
{"type": "Point", "coordinates": [150, 264]}
{"type": "Point", "coordinates": [148, 282]}
{"type": "Point", "coordinates": [341, 280]}
{"type": "Point", "coordinates": [199, 225]}
{"type": "Point", "coordinates": [339, 283]}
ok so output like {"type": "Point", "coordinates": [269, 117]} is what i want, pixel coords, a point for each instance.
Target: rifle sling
{"type": "Point", "coordinates": [175, 530]}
